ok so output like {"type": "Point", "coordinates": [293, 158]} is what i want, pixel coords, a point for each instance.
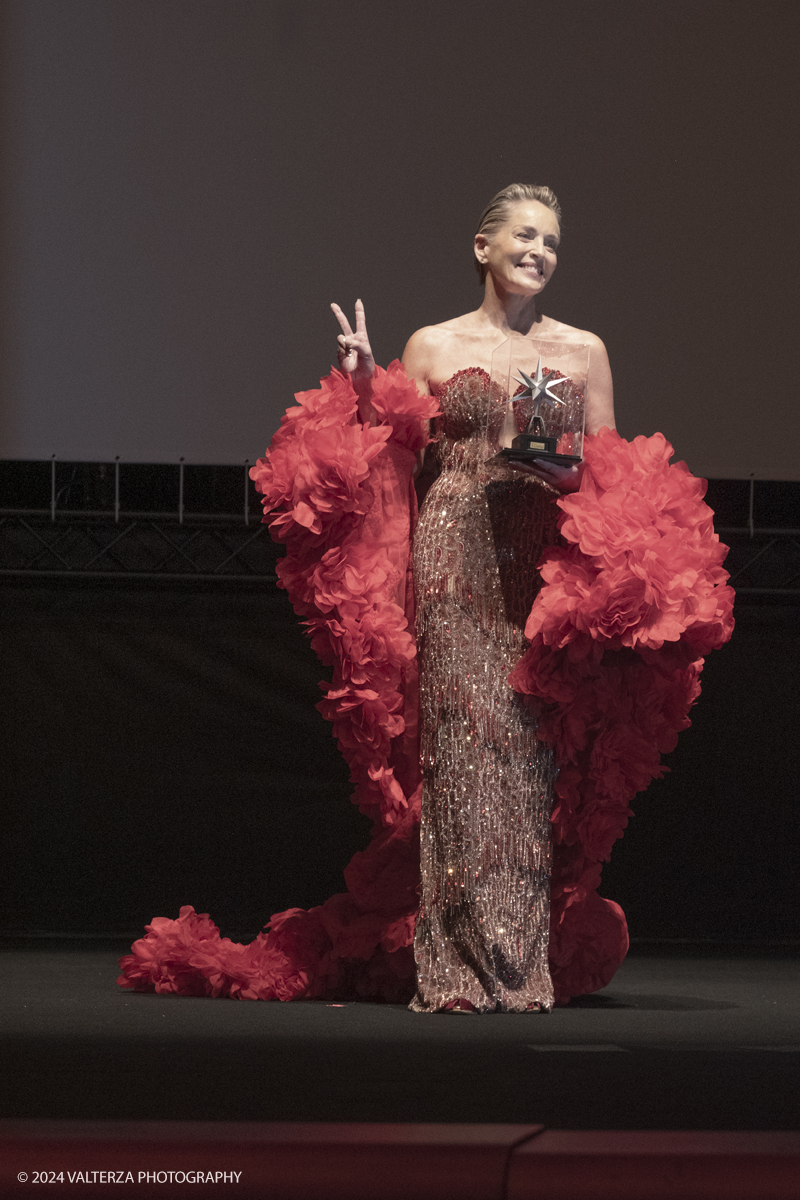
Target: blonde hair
{"type": "Point", "coordinates": [496, 211]}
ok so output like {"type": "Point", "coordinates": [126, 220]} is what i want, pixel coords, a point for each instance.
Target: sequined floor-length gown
{"type": "Point", "coordinates": [483, 926]}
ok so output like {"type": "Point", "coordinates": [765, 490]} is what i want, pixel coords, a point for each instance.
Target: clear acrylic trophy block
{"type": "Point", "coordinates": [538, 388]}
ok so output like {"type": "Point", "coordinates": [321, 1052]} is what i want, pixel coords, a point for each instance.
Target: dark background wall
{"type": "Point", "coordinates": [188, 183]}
{"type": "Point", "coordinates": [161, 747]}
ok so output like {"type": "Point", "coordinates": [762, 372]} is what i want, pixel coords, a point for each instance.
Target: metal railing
{"type": "Point", "coordinates": [114, 542]}
{"type": "Point", "coordinates": [763, 562]}
{"type": "Point", "coordinates": [200, 547]}
{"type": "Point", "coordinates": [93, 519]}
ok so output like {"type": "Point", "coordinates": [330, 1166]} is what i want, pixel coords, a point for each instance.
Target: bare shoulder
{"type": "Point", "coordinates": [432, 348]}
{"type": "Point", "coordinates": [576, 335]}
{"type": "Point", "coordinates": [425, 341]}
{"type": "Point", "coordinates": [435, 338]}
{"type": "Point", "coordinates": [599, 354]}
{"type": "Point", "coordinates": [421, 352]}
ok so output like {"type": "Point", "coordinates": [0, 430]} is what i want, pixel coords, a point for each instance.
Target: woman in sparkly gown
{"type": "Point", "coordinates": [590, 663]}
{"type": "Point", "coordinates": [481, 941]}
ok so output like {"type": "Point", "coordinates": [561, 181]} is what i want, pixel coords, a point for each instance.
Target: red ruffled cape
{"type": "Point", "coordinates": [632, 599]}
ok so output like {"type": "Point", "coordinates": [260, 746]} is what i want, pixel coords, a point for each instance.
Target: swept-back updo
{"type": "Point", "coordinates": [496, 211]}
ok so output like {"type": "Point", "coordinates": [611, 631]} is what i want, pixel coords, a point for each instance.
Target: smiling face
{"type": "Point", "coordinates": [521, 254]}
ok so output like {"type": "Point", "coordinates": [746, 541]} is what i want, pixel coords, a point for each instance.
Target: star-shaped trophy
{"type": "Point", "coordinates": [537, 389]}
{"type": "Point", "coordinates": [535, 441]}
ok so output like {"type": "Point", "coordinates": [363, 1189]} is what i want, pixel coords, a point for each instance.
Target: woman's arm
{"type": "Point", "coordinates": [355, 359]}
{"type": "Point", "coordinates": [417, 360]}
{"type": "Point", "coordinates": [599, 389]}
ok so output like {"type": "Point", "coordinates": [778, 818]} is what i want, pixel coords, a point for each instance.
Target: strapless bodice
{"type": "Point", "coordinates": [464, 401]}
{"type": "Point", "coordinates": [474, 411]}
{"type": "Point", "coordinates": [464, 435]}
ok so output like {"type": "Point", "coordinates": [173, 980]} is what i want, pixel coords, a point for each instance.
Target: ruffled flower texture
{"type": "Point", "coordinates": [631, 602]}
{"type": "Point", "coordinates": [340, 495]}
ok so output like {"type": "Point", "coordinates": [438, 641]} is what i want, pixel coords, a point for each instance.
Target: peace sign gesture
{"type": "Point", "coordinates": [355, 355]}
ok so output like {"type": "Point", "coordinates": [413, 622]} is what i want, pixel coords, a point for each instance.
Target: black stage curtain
{"type": "Point", "coordinates": [162, 748]}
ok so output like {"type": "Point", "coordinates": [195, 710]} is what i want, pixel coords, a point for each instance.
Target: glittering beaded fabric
{"type": "Point", "coordinates": [482, 930]}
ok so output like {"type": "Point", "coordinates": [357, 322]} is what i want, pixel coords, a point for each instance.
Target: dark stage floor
{"type": "Point", "coordinates": [673, 1043]}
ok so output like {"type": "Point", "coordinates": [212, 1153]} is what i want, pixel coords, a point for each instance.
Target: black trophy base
{"type": "Point", "coordinates": [527, 446]}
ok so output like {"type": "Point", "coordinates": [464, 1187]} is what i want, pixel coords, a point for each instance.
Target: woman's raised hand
{"type": "Point", "coordinates": [355, 354]}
